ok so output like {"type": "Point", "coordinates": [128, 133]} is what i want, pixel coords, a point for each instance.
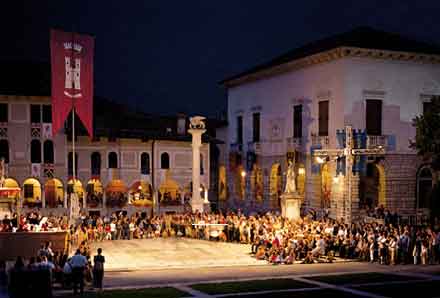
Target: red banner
{"type": "Point", "coordinates": [72, 78]}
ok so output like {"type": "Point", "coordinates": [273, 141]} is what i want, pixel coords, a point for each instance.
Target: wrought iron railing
{"type": "Point", "coordinates": [322, 141]}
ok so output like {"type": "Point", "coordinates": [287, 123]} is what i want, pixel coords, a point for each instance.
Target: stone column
{"type": "Point", "coordinates": [197, 128]}
{"type": "Point", "coordinates": [43, 198]}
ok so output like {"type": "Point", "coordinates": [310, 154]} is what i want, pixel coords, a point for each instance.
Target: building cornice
{"type": "Point", "coordinates": [25, 98]}
{"type": "Point", "coordinates": [331, 55]}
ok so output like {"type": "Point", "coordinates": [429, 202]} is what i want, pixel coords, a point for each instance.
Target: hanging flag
{"type": "Point", "coordinates": [72, 78]}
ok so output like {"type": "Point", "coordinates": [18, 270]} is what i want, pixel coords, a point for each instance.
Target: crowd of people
{"type": "Point", "coordinates": [34, 222]}
{"type": "Point", "coordinates": [274, 238]}
{"type": "Point", "coordinates": [271, 237]}
{"type": "Point", "coordinates": [38, 274]}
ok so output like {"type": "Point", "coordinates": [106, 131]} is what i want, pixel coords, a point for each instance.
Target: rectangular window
{"type": "Point", "coordinates": [35, 113]}
{"type": "Point", "coordinates": [297, 121]}
{"type": "Point", "coordinates": [427, 105]}
{"type": "Point", "coordinates": [256, 127]}
{"type": "Point", "coordinates": [323, 118]}
{"type": "Point", "coordinates": [240, 130]}
{"type": "Point", "coordinates": [3, 112]}
{"type": "Point", "coordinates": [374, 117]}
{"type": "Point", "coordinates": [47, 114]}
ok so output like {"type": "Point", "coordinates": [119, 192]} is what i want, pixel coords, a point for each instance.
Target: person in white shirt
{"type": "Point", "coordinates": [79, 263]}
{"type": "Point", "coordinates": [392, 248]}
{"type": "Point", "coordinates": [113, 230]}
{"type": "Point", "coordinates": [319, 250]}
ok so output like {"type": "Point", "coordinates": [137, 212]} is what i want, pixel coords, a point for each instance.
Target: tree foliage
{"type": "Point", "coordinates": [427, 141]}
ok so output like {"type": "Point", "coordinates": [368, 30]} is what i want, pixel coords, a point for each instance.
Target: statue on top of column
{"type": "Point", "coordinates": [290, 178]}
{"type": "Point", "coordinates": [197, 122]}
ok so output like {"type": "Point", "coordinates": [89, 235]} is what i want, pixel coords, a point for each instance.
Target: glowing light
{"type": "Point", "coordinates": [320, 159]}
{"type": "Point", "coordinates": [243, 174]}
{"type": "Point", "coordinates": [336, 179]}
{"type": "Point", "coordinates": [301, 171]}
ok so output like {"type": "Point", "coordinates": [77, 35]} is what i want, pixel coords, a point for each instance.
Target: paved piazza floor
{"type": "Point", "coordinates": [173, 253]}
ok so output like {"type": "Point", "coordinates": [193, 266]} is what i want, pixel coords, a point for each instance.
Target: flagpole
{"type": "Point", "coordinates": [73, 146]}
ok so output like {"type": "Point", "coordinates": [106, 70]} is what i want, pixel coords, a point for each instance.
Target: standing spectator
{"type": "Point", "coordinates": [113, 230]}
{"type": "Point", "coordinates": [48, 249]}
{"type": "Point", "coordinates": [78, 263]}
{"type": "Point", "coordinates": [416, 251]}
{"type": "Point", "coordinates": [98, 269]}
{"type": "Point", "coordinates": [392, 247]}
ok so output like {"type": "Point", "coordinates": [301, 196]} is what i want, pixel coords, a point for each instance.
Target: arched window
{"type": "Point", "coordinates": [4, 150]}
{"type": "Point", "coordinates": [35, 151]}
{"type": "Point", "coordinates": [70, 163]}
{"type": "Point", "coordinates": [202, 170]}
{"type": "Point", "coordinates": [164, 161]}
{"type": "Point", "coordinates": [145, 164]}
{"type": "Point", "coordinates": [113, 160]}
{"type": "Point", "coordinates": [95, 162]}
{"type": "Point", "coordinates": [48, 152]}
{"type": "Point", "coordinates": [424, 187]}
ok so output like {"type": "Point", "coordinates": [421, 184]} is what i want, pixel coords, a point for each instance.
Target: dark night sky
{"type": "Point", "coordinates": [167, 56]}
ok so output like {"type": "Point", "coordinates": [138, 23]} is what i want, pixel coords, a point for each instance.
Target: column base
{"type": "Point", "coordinates": [291, 206]}
{"type": "Point", "coordinates": [198, 206]}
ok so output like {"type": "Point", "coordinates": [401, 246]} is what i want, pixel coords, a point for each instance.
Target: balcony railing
{"type": "Point", "coordinates": [377, 142]}
{"type": "Point", "coordinates": [255, 147]}
{"type": "Point", "coordinates": [294, 143]}
{"type": "Point", "coordinates": [322, 141]}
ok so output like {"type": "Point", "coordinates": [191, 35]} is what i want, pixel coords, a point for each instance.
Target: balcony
{"type": "Point", "coordinates": [320, 141]}
{"type": "Point", "coordinates": [374, 142]}
{"type": "Point", "coordinates": [294, 143]}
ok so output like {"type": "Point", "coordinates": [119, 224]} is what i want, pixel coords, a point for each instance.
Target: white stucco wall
{"type": "Point", "coordinates": [346, 83]}
{"type": "Point", "coordinates": [403, 84]}
{"type": "Point", "coordinates": [278, 94]}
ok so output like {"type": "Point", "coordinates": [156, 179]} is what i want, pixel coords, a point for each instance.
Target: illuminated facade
{"type": "Point", "coordinates": [303, 100]}
{"type": "Point", "coordinates": [131, 157]}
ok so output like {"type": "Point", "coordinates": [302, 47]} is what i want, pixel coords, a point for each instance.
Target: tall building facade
{"type": "Point", "coordinates": [133, 160]}
{"type": "Point", "coordinates": [372, 81]}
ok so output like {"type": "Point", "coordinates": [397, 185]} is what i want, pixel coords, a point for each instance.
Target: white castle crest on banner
{"type": "Point", "coordinates": [73, 74]}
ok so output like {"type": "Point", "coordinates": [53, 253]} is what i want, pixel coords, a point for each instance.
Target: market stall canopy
{"type": "Point", "coordinates": [9, 191]}
{"type": "Point", "coordinates": [116, 186]}
{"type": "Point", "coordinates": [144, 186]}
